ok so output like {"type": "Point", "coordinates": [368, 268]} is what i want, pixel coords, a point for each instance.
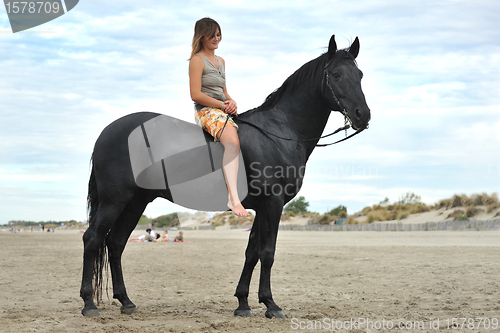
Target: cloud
{"type": "Point", "coordinates": [431, 81]}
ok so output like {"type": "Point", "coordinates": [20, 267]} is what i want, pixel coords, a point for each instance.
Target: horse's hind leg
{"type": "Point", "coordinates": [93, 241]}
{"type": "Point", "coordinates": [116, 241]}
{"type": "Point", "coordinates": [91, 250]}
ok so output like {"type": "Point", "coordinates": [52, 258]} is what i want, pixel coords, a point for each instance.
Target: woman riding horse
{"type": "Point", "coordinates": [207, 83]}
{"type": "Point", "coordinates": [280, 134]}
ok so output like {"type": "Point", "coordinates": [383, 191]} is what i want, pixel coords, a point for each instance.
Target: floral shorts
{"type": "Point", "coordinates": [213, 120]}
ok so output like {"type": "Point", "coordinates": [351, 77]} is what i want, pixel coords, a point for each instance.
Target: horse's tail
{"type": "Point", "coordinates": [92, 196]}
{"type": "Point", "coordinates": [101, 260]}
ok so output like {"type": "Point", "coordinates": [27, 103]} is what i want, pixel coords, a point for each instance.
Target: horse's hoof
{"type": "Point", "coordinates": [277, 314]}
{"type": "Point", "coordinates": [129, 309]}
{"type": "Point", "coordinates": [243, 313]}
{"type": "Point", "coordinates": [90, 313]}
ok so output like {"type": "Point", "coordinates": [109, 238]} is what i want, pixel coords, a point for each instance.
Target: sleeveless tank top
{"type": "Point", "coordinates": [213, 81]}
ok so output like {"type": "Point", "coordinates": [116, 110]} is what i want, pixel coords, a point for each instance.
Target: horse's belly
{"type": "Point", "coordinates": [166, 152]}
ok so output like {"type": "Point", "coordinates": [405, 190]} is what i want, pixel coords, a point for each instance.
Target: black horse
{"type": "Point", "coordinates": [276, 138]}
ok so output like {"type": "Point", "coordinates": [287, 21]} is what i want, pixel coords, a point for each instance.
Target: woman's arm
{"type": "Point", "coordinates": [196, 68]}
{"type": "Point", "coordinates": [231, 106]}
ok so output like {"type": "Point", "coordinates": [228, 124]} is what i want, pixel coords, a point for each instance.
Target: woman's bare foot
{"type": "Point", "coordinates": [238, 209]}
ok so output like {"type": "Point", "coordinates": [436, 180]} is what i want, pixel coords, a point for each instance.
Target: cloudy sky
{"type": "Point", "coordinates": [431, 78]}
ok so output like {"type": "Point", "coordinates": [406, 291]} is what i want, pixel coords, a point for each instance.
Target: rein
{"type": "Point", "coordinates": [346, 126]}
{"type": "Point", "coordinates": [311, 139]}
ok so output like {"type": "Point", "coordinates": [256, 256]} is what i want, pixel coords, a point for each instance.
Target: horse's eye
{"type": "Point", "coordinates": [336, 75]}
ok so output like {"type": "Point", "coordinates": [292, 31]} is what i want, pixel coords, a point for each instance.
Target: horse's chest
{"type": "Point", "coordinates": [274, 180]}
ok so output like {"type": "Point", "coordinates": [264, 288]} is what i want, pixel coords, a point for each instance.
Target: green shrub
{"type": "Point", "coordinates": [366, 210]}
{"type": "Point", "coordinates": [169, 220]}
{"type": "Point", "coordinates": [472, 211]}
{"type": "Point", "coordinates": [298, 205]}
{"type": "Point", "coordinates": [326, 219]}
{"type": "Point", "coordinates": [478, 199]}
{"type": "Point", "coordinates": [175, 223]}
{"type": "Point", "coordinates": [411, 204]}
{"type": "Point", "coordinates": [456, 201]}
{"type": "Point", "coordinates": [446, 203]}
{"type": "Point", "coordinates": [466, 201]}
{"type": "Point", "coordinates": [217, 223]}
{"type": "Point", "coordinates": [337, 210]}
{"type": "Point", "coordinates": [455, 214]}
{"type": "Point", "coordinates": [144, 220]}
{"type": "Point", "coordinates": [418, 208]}
{"type": "Point", "coordinates": [384, 202]}
{"type": "Point", "coordinates": [409, 198]}
{"type": "Point", "coordinates": [491, 207]}
{"type": "Point", "coordinates": [489, 199]}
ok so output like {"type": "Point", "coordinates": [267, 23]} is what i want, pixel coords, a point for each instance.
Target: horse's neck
{"type": "Point", "coordinates": [298, 115]}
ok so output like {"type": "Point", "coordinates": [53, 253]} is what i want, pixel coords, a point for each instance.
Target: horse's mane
{"type": "Point", "coordinates": [302, 76]}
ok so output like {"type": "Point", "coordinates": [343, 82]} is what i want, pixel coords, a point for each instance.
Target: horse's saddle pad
{"type": "Point", "coordinates": [169, 153]}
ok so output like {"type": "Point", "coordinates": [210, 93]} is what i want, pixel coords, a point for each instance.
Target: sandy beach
{"type": "Point", "coordinates": [320, 278]}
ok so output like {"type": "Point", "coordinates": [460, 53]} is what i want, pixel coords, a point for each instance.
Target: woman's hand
{"type": "Point", "coordinates": [231, 107]}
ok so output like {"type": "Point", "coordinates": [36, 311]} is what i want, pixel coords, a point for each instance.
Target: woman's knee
{"type": "Point", "coordinates": [230, 136]}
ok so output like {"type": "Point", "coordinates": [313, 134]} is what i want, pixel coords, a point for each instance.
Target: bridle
{"type": "Point", "coordinates": [347, 120]}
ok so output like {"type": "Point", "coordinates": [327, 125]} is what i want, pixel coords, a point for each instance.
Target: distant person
{"type": "Point", "coordinates": [144, 238]}
{"type": "Point", "coordinates": [153, 234]}
{"type": "Point", "coordinates": [165, 237]}
{"type": "Point", "coordinates": [179, 237]}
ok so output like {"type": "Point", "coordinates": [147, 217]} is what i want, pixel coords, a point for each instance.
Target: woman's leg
{"type": "Point", "coordinates": [231, 142]}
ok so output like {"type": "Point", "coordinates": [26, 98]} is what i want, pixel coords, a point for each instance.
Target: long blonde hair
{"type": "Point", "coordinates": [206, 27]}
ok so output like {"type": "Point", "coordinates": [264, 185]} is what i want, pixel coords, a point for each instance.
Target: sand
{"type": "Point", "coordinates": [413, 278]}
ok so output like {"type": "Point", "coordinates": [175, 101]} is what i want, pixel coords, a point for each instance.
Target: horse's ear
{"type": "Point", "coordinates": [332, 46]}
{"type": "Point", "coordinates": [354, 49]}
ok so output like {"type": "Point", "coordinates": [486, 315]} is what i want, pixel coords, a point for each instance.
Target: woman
{"type": "Point", "coordinates": [213, 105]}
{"type": "Point", "coordinates": [165, 237]}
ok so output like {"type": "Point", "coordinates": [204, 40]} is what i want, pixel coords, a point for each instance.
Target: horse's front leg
{"type": "Point", "coordinates": [268, 234]}
{"type": "Point", "coordinates": [251, 259]}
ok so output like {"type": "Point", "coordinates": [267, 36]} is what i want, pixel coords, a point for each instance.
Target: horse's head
{"type": "Point", "coordinates": [342, 84]}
